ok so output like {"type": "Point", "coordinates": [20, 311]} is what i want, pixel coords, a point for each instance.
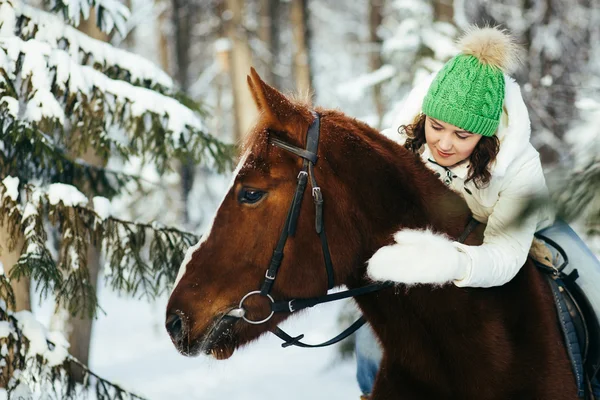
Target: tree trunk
{"type": "Point", "coordinates": [163, 40]}
{"type": "Point", "coordinates": [182, 22]}
{"type": "Point", "coordinates": [240, 62]}
{"type": "Point", "coordinates": [21, 289]}
{"type": "Point", "coordinates": [375, 19]}
{"type": "Point", "coordinates": [221, 83]}
{"type": "Point", "coordinates": [268, 33]}
{"type": "Point", "coordinates": [301, 33]}
{"type": "Point", "coordinates": [443, 10]}
{"type": "Point", "coordinates": [8, 259]}
{"type": "Point", "coordinates": [78, 328]}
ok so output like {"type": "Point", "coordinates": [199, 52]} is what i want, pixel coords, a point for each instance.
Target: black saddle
{"type": "Point", "coordinates": [578, 322]}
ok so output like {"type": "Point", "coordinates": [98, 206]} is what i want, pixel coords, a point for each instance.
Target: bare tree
{"type": "Point", "coordinates": [301, 34]}
{"type": "Point", "coordinates": [375, 19]}
{"type": "Point", "coordinates": [268, 33]}
{"type": "Point", "coordinates": [443, 10]}
{"type": "Point", "coordinates": [163, 38]}
{"type": "Point", "coordinates": [183, 12]}
{"type": "Point", "coordinates": [240, 63]}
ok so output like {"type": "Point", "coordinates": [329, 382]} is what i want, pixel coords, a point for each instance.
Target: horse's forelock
{"type": "Point", "coordinates": [302, 98]}
{"type": "Point", "coordinates": [256, 138]}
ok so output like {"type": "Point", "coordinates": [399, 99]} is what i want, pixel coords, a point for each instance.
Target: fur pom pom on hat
{"type": "Point", "coordinates": [468, 92]}
{"type": "Point", "coordinates": [491, 46]}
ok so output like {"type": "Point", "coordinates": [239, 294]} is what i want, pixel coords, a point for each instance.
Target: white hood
{"type": "Point", "coordinates": [514, 130]}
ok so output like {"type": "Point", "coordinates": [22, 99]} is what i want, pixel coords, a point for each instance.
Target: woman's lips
{"type": "Point", "coordinates": [442, 154]}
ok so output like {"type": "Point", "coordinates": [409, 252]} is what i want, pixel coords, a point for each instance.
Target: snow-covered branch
{"type": "Point", "coordinates": [32, 23]}
{"type": "Point", "coordinates": [44, 84]}
{"type": "Point", "coordinates": [141, 259]}
{"type": "Point", "coordinates": [35, 362]}
{"type": "Point", "coordinates": [50, 163]}
{"type": "Point", "coordinates": [109, 13]}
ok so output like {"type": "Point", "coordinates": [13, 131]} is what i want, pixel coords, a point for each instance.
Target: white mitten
{"type": "Point", "coordinates": [419, 256]}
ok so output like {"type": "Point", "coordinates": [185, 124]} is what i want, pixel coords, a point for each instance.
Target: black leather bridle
{"type": "Point", "coordinates": [309, 156]}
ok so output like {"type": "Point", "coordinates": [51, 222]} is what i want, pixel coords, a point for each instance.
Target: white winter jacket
{"type": "Point", "coordinates": [516, 175]}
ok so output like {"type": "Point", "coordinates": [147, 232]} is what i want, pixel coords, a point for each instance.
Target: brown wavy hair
{"type": "Point", "coordinates": [483, 155]}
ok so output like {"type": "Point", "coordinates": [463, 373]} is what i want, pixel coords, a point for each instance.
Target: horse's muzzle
{"type": "Point", "coordinates": [176, 328]}
{"type": "Point", "coordinates": [216, 341]}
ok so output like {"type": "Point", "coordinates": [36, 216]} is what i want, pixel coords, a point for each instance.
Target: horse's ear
{"type": "Point", "coordinates": [255, 97]}
{"type": "Point", "coordinates": [272, 103]}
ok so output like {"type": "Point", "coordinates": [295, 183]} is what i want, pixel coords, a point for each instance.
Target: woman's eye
{"type": "Point", "coordinates": [250, 196]}
{"type": "Point", "coordinates": [437, 128]}
{"type": "Point", "coordinates": [462, 136]}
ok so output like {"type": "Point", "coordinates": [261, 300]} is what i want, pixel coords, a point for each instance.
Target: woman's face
{"type": "Point", "coordinates": [448, 143]}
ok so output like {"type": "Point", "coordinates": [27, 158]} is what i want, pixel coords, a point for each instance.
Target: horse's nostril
{"type": "Point", "coordinates": [174, 326]}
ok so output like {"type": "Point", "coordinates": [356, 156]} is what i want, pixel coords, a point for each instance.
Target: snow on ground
{"type": "Point", "coordinates": [130, 346]}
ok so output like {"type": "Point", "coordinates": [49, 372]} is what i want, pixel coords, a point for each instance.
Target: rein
{"type": "Point", "coordinates": [309, 156]}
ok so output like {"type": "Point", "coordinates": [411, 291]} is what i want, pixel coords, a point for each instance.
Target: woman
{"type": "Point", "coordinates": [469, 124]}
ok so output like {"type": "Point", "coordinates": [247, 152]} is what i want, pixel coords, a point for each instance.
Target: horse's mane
{"type": "Point", "coordinates": [342, 127]}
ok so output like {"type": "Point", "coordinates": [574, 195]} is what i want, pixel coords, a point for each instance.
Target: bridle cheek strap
{"type": "Point", "coordinates": [309, 156]}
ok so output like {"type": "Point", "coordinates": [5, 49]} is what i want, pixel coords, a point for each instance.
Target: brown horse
{"type": "Point", "coordinates": [439, 342]}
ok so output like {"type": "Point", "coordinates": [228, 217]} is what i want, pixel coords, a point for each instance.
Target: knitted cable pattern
{"type": "Point", "coordinates": [468, 92]}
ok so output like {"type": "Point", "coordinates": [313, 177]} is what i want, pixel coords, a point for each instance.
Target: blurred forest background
{"type": "Point", "coordinates": [359, 56]}
{"type": "Point", "coordinates": [363, 57]}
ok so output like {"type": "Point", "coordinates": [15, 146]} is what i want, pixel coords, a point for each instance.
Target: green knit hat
{"type": "Point", "coordinates": [468, 92]}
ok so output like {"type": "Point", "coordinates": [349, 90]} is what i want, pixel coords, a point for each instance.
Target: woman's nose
{"type": "Point", "coordinates": [445, 143]}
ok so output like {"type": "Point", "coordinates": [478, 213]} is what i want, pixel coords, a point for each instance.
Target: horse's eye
{"type": "Point", "coordinates": [250, 196]}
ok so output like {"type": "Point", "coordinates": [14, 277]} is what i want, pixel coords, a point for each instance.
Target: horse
{"type": "Point", "coordinates": [440, 342]}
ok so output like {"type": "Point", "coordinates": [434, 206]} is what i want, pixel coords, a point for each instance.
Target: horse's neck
{"type": "Point", "coordinates": [401, 192]}
{"type": "Point", "coordinates": [394, 190]}
{"type": "Point", "coordinates": [411, 197]}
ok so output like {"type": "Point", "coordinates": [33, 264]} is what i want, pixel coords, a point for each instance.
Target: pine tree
{"type": "Point", "coordinates": [62, 94]}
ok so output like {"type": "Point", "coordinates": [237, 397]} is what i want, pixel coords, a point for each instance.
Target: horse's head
{"type": "Point", "coordinates": [232, 258]}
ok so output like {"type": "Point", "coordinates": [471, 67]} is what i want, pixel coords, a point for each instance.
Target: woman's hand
{"type": "Point", "coordinates": [419, 256]}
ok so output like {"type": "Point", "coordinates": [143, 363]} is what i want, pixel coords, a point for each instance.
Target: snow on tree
{"type": "Point", "coordinates": [63, 94]}
{"type": "Point", "coordinates": [416, 44]}
{"type": "Point", "coordinates": [557, 37]}
{"type": "Point", "coordinates": [413, 44]}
